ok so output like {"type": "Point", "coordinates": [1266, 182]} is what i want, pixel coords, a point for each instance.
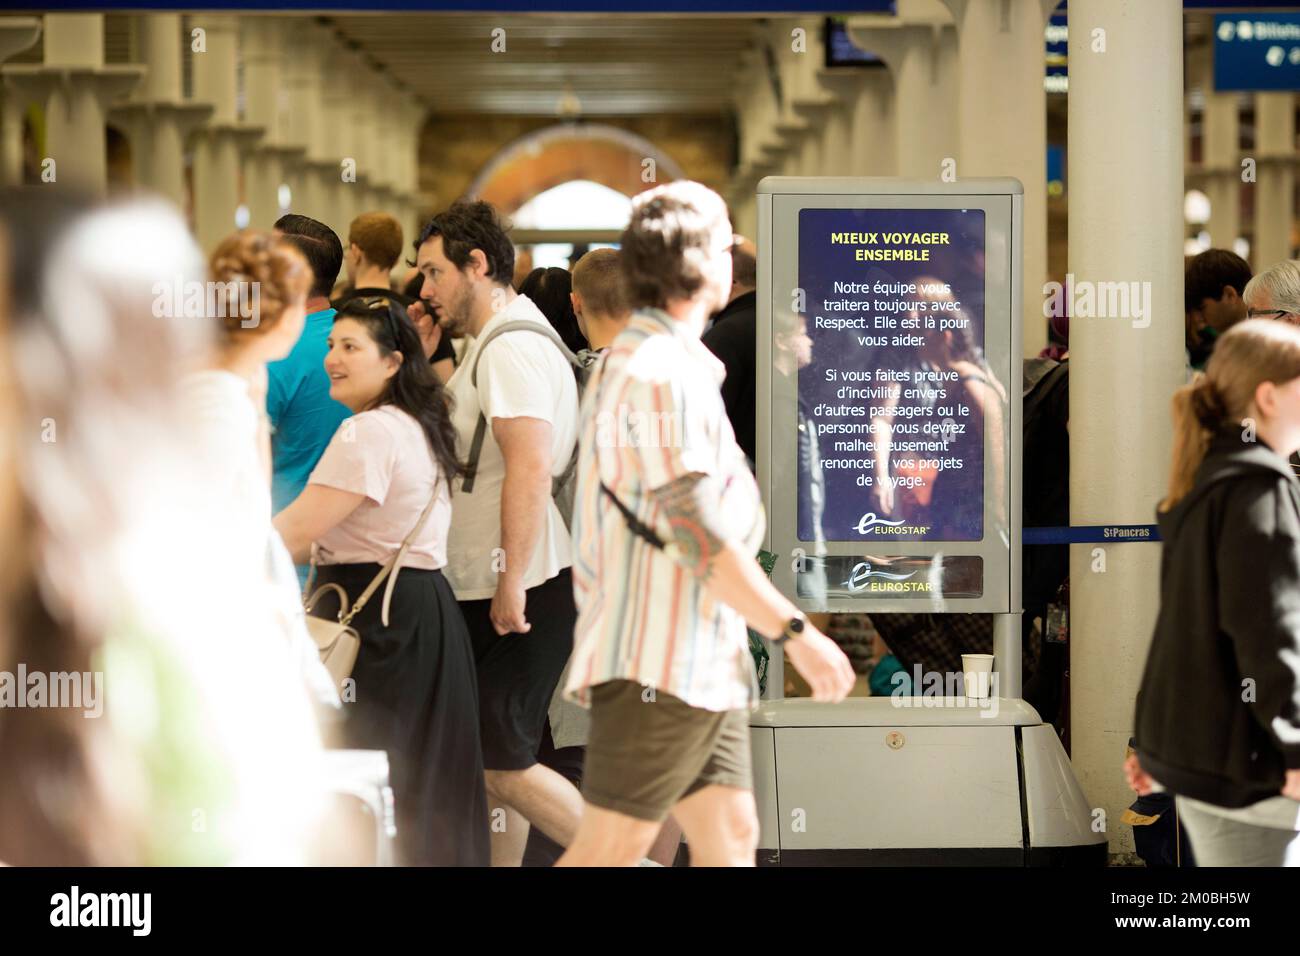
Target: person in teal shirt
{"type": "Point", "coordinates": [303, 416]}
{"type": "Point", "coordinates": [301, 411]}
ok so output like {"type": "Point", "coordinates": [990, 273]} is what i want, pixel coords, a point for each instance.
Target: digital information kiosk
{"type": "Point", "coordinates": [889, 434]}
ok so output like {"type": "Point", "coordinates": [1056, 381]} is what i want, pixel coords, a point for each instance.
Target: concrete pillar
{"type": "Point", "coordinates": [1002, 122]}
{"type": "Point", "coordinates": [362, 121]}
{"type": "Point", "coordinates": [412, 115]}
{"type": "Point", "coordinates": [16, 35]}
{"type": "Point", "coordinates": [76, 88]}
{"type": "Point", "coordinates": [340, 182]}
{"type": "Point", "coordinates": [845, 86]}
{"type": "Point", "coordinates": [872, 150]}
{"type": "Point", "coordinates": [1126, 190]}
{"type": "Point", "coordinates": [306, 120]}
{"type": "Point", "coordinates": [266, 106]}
{"type": "Point", "coordinates": [158, 117]}
{"type": "Point", "coordinates": [920, 48]}
{"type": "Point", "coordinates": [378, 94]}
{"type": "Point", "coordinates": [1220, 160]}
{"type": "Point", "coordinates": [804, 101]}
{"type": "Point", "coordinates": [1274, 189]}
{"type": "Point", "coordinates": [220, 145]}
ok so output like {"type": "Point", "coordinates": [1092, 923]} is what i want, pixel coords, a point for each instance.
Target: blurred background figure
{"type": "Point", "coordinates": [1213, 285]}
{"type": "Point", "coordinates": [599, 299]}
{"type": "Point", "coordinates": [1275, 293]}
{"type": "Point", "coordinates": [374, 246]}
{"type": "Point", "coordinates": [550, 290]}
{"type": "Point", "coordinates": [438, 345]}
{"type": "Point", "coordinates": [298, 402]}
{"type": "Point", "coordinates": [733, 338]}
{"type": "Point", "coordinates": [205, 750]}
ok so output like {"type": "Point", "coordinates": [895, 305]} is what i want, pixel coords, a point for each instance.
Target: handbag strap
{"type": "Point", "coordinates": [388, 571]}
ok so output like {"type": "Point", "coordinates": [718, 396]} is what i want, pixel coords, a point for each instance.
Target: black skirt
{"type": "Point", "coordinates": [416, 698]}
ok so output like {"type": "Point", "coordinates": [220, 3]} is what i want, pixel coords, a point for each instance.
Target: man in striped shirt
{"type": "Point", "coordinates": [666, 528]}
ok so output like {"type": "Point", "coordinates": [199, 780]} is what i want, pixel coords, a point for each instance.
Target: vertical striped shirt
{"type": "Point", "coordinates": [651, 414]}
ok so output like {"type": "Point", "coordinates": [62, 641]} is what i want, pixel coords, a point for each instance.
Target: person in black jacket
{"type": "Point", "coordinates": [1218, 711]}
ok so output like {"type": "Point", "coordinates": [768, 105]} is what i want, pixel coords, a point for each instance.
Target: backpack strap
{"type": "Point", "coordinates": [480, 427]}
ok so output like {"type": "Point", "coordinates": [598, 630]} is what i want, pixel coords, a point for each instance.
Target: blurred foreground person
{"type": "Point", "coordinates": [116, 604]}
{"type": "Point", "coordinates": [1218, 711]}
{"type": "Point", "coordinates": [385, 479]}
{"type": "Point", "coordinates": [259, 296]}
{"type": "Point", "coordinates": [668, 524]}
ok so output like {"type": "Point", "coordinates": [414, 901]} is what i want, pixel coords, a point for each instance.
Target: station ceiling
{"type": "Point", "coordinates": [612, 64]}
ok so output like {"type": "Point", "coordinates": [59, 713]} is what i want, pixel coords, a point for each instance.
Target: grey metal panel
{"type": "Point", "coordinates": [779, 201]}
{"type": "Point", "coordinates": [845, 787]}
{"type": "Point", "coordinates": [886, 712]}
{"type": "Point", "coordinates": [764, 751]}
{"type": "Point", "coordinates": [1058, 810]}
{"type": "Point", "coordinates": [886, 185]}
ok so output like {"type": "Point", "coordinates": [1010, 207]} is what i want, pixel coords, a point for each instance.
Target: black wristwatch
{"type": "Point", "coordinates": [793, 628]}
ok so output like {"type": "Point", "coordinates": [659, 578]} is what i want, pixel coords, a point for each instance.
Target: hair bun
{"type": "Point", "coordinates": [1207, 404]}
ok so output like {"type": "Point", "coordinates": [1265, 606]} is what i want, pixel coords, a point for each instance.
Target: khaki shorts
{"type": "Point", "coordinates": [647, 752]}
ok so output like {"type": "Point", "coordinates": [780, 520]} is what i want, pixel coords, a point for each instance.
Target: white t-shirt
{"type": "Point", "coordinates": [384, 455]}
{"type": "Point", "coordinates": [522, 375]}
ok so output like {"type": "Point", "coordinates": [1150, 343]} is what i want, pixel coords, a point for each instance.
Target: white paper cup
{"type": "Point", "coordinates": [977, 671]}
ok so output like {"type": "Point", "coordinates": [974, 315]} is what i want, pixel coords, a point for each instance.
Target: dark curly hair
{"type": "Point", "coordinates": [467, 226]}
{"type": "Point", "coordinates": [415, 389]}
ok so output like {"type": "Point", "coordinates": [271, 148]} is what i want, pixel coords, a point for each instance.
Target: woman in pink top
{"type": "Point", "coordinates": [414, 693]}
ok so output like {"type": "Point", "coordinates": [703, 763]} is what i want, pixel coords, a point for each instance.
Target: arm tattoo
{"type": "Point", "coordinates": [691, 503]}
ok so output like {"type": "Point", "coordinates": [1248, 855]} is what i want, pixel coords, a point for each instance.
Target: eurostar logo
{"type": "Point", "coordinates": [863, 572]}
{"type": "Point", "coordinates": [869, 521]}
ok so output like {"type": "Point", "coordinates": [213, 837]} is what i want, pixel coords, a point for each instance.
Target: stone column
{"type": "Point", "coordinates": [76, 88]}
{"type": "Point", "coordinates": [1274, 189]}
{"type": "Point", "coordinates": [16, 35]}
{"type": "Point", "coordinates": [1221, 160]}
{"type": "Point", "coordinates": [920, 49]}
{"type": "Point", "coordinates": [158, 116]}
{"type": "Point", "coordinates": [1002, 122]}
{"type": "Point", "coordinates": [1126, 191]}
{"type": "Point", "coordinates": [220, 144]}
{"type": "Point", "coordinates": [306, 128]}
{"type": "Point", "coordinates": [266, 106]}
{"type": "Point", "coordinates": [411, 114]}
{"type": "Point", "coordinates": [340, 182]}
{"type": "Point", "coordinates": [378, 95]}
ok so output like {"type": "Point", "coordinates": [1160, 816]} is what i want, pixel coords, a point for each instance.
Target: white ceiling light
{"type": "Point", "coordinates": [1196, 207]}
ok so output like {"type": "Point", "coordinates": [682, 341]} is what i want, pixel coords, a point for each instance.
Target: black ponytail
{"type": "Point", "coordinates": [415, 389]}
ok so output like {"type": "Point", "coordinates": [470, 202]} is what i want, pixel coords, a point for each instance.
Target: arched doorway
{"type": "Point", "coordinates": [567, 187]}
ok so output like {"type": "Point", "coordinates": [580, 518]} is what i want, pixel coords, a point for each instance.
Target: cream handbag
{"type": "Point", "coordinates": [337, 641]}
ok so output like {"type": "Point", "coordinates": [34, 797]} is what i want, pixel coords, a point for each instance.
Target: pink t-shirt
{"type": "Point", "coordinates": [384, 455]}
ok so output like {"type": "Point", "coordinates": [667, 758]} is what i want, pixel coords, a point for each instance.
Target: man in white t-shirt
{"type": "Point", "coordinates": [508, 552]}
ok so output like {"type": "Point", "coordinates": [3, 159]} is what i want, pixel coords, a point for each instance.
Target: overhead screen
{"type": "Point", "coordinates": [888, 412]}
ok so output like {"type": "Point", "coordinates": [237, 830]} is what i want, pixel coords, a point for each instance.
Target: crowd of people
{"type": "Point", "coordinates": [552, 603]}
{"type": "Point", "coordinates": [552, 616]}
